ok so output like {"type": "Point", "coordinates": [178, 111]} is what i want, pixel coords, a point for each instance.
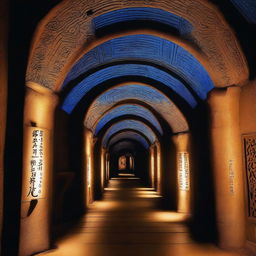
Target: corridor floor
{"type": "Point", "coordinates": [127, 222]}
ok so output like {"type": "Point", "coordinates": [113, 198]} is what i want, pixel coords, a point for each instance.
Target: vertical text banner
{"type": "Point", "coordinates": [183, 171]}
{"type": "Point", "coordinates": [35, 158]}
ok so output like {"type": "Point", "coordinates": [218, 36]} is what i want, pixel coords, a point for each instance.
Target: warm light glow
{"type": "Point", "coordinates": [104, 205]}
{"type": "Point", "coordinates": [126, 174]}
{"type": "Point", "coordinates": [159, 176]}
{"type": "Point", "coordinates": [168, 216]}
{"type": "Point", "coordinates": [89, 171]}
{"type": "Point", "coordinates": [131, 163]}
{"type": "Point", "coordinates": [122, 162]}
{"type": "Point", "coordinates": [129, 178]}
{"type": "Point", "coordinates": [102, 169]}
{"type": "Point", "coordinates": [152, 167]}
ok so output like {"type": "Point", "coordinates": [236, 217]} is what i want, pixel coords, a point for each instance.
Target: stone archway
{"type": "Point", "coordinates": [48, 67]}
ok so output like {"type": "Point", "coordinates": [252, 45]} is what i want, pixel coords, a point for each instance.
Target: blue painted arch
{"type": "Point", "coordinates": [129, 135]}
{"type": "Point", "coordinates": [149, 49]}
{"type": "Point", "coordinates": [142, 93]}
{"type": "Point", "coordinates": [126, 125]}
{"type": "Point", "coordinates": [143, 14]}
{"type": "Point", "coordinates": [127, 109]}
{"type": "Point", "coordinates": [117, 71]}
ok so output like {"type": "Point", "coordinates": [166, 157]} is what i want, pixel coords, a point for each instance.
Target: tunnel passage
{"type": "Point", "coordinates": [129, 104]}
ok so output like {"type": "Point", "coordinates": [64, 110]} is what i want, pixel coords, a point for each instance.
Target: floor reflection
{"type": "Point", "coordinates": [128, 223]}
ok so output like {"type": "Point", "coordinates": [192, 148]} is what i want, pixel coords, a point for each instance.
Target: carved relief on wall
{"type": "Point", "coordinates": [250, 165]}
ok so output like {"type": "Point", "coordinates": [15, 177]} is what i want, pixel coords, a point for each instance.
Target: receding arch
{"type": "Point", "coordinates": [151, 49]}
{"type": "Point", "coordinates": [126, 109]}
{"type": "Point", "coordinates": [129, 124]}
{"type": "Point", "coordinates": [125, 70]}
{"type": "Point", "coordinates": [130, 136]}
{"type": "Point", "coordinates": [142, 93]}
{"type": "Point", "coordinates": [143, 14]}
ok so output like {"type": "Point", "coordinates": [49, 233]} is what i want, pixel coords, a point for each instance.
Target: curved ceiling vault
{"type": "Point", "coordinates": [142, 93]}
{"type": "Point", "coordinates": [127, 110]}
{"type": "Point", "coordinates": [69, 29]}
{"type": "Point", "coordinates": [131, 136]}
{"type": "Point", "coordinates": [69, 49]}
{"type": "Point", "coordinates": [150, 49]}
{"type": "Point", "coordinates": [129, 125]}
{"type": "Point", "coordinates": [125, 70]}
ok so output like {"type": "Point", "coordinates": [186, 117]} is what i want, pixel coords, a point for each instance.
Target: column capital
{"type": "Point", "coordinates": [180, 133]}
{"type": "Point", "coordinates": [218, 94]}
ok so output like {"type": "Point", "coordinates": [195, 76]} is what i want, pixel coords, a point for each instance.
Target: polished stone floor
{"type": "Point", "coordinates": [128, 222]}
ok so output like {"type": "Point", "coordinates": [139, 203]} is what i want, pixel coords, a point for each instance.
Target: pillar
{"type": "Point", "coordinates": [88, 166]}
{"type": "Point", "coordinates": [3, 95]}
{"type": "Point", "coordinates": [158, 168]}
{"type": "Point", "coordinates": [103, 169]}
{"type": "Point", "coordinates": [107, 167]}
{"type": "Point", "coordinates": [183, 156]}
{"type": "Point", "coordinates": [37, 175]}
{"type": "Point", "coordinates": [227, 166]}
{"type": "Point", "coordinates": [152, 166]}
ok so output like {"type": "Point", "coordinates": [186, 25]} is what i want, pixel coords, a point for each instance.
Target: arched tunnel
{"type": "Point", "coordinates": [132, 132]}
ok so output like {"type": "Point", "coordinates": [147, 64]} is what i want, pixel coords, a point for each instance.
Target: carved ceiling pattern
{"type": "Point", "coordinates": [129, 135]}
{"type": "Point", "coordinates": [131, 125]}
{"type": "Point", "coordinates": [127, 109]}
{"type": "Point", "coordinates": [125, 70]}
{"type": "Point", "coordinates": [142, 93]}
{"type": "Point", "coordinates": [150, 49]}
{"type": "Point", "coordinates": [62, 36]}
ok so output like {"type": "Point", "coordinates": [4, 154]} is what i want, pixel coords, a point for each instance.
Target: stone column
{"type": "Point", "coordinates": [227, 166]}
{"type": "Point", "coordinates": [152, 166]}
{"type": "Point", "coordinates": [37, 173]}
{"type": "Point", "coordinates": [158, 167]}
{"type": "Point", "coordinates": [103, 169]}
{"type": "Point", "coordinates": [183, 156]}
{"type": "Point", "coordinates": [107, 166]}
{"type": "Point", "coordinates": [88, 166]}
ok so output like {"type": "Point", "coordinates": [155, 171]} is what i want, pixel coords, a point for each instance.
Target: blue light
{"type": "Point", "coordinates": [129, 135]}
{"type": "Point", "coordinates": [129, 124]}
{"type": "Point", "coordinates": [149, 49]}
{"type": "Point", "coordinates": [141, 93]}
{"type": "Point", "coordinates": [116, 71]}
{"type": "Point", "coordinates": [128, 110]}
{"type": "Point", "coordinates": [247, 9]}
{"type": "Point", "coordinates": [143, 14]}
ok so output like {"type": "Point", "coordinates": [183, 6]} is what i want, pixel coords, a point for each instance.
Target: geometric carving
{"type": "Point", "coordinates": [141, 93]}
{"type": "Point", "coordinates": [151, 49]}
{"type": "Point", "coordinates": [250, 164]}
{"type": "Point", "coordinates": [127, 109]}
{"type": "Point", "coordinates": [150, 73]}
{"type": "Point", "coordinates": [129, 135]}
{"type": "Point", "coordinates": [129, 124]}
{"type": "Point", "coordinates": [68, 28]}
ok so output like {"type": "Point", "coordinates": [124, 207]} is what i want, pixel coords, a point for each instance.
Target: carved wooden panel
{"type": "Point", "coordinates": [250, 164]}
